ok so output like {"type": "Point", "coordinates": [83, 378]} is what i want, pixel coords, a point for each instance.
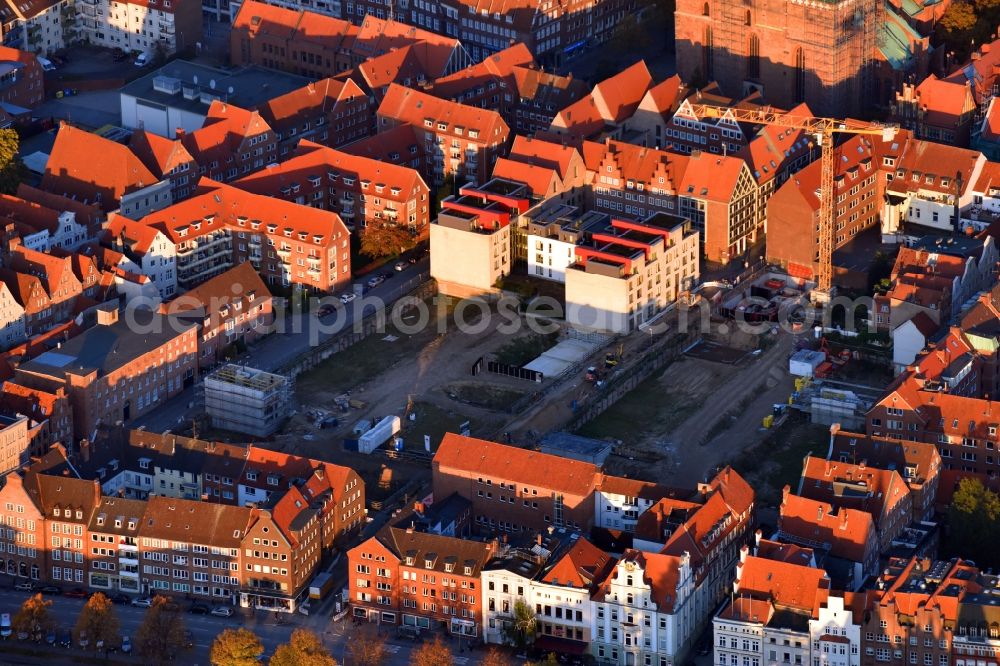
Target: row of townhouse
{"type": "Point", "coordinates": [137, 464]}
{"type": "Point", "coordinates": [62, 529]}
{"type": "Point", "coordinates": [299, 41]}
{"type": "Point", "coordinates": [529, 510]}
{"type": "Point", "coordinates": [153, 27]}
{"type": "Point", "coordinates": [556, 31]}
{"type": "Point", "coordinates": [918, 611]}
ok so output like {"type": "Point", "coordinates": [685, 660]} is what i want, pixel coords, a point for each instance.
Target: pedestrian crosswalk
{"type": "Point", "coordinates": [393, 649]}
{"type": "Point", "coordinates": [460, 661]}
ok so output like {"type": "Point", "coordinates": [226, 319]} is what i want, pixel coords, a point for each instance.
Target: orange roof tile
{"type": "Point", "coordinates": [313, 159]}
{"type": "Point", "coordinates": [845, 485]}
{"type": "Point", "coordinates": [531, 468]}
{"type": "Point", "coordinates": [416, 108]}
{"type": "Point", "coordinates": [159, 154]}
{"type": "Point", "coordinates": [847, 532]}
{"type": "Point", "coordinates": [317, 98]}
{"type": "Point", "coordinates": [583, 565]}
{"type": "Point", "coordinates": [542, 182]}
{"type": "Point", "coordinates": [786, 585]}
{"type": "Point", "coordinates": [88, 215]}
{"type": "Point", "coordinates": [84, 165]}
{"type": "Point", "coordinates": [661, 572]}
{"type": "Point", "coordinates": [216, 206]}
{"type": "Point", "coordinates": [497, 66]}
{"type": "Point", "coordinates": [611, 101]}
{"type": "Point", "coordinates": [942, 101]}
{"type": "Point", "coordinates": [544, 154]}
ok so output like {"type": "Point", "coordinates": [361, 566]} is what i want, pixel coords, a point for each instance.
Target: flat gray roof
{"type": "Point", "coordinates": [250, 86]}
{"type": "Point", "coordinates": [106, 348]}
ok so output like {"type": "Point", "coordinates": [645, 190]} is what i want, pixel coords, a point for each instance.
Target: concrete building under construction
{"type": "Point", "coordinates": [246, 400]}
{"type": "Point", "coordinates": [821, 52]}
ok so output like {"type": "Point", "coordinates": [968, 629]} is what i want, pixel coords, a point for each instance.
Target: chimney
{"type": "Point", "coordinates": [107, 316]}
{"type": "Point", "coordinates": [785, 492]}
{"type": "Point", "coordinates": [409, 529]}
{"type": "Point", "coordinates": [418, 507]}
{"type": "Point", "coordinates": [744, 552]}
{"type": "Point", "coordinates": [85, 450]}
{"type": "Point", "coordinates": [179, 132]}
{"type": "Point", "coordinates": [538, 538]}
{"type": "Point", "coordinates": [757, 536]}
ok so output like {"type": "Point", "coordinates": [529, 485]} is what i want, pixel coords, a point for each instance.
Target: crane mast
{"type": "Point", "coordinates": [823, 129]}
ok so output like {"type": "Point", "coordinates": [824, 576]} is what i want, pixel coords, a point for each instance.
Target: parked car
{"type": "Point", "coordinates": [77, 593]}
{"type": "Point", "coordinates": [50, 638]}
{"type": "Point", "coordinates": [375, 281]}
{"type": "Point", "coordinates": [50, 589]}
{"type": "Point", "coordinates": [5, 626]}
{"type": "Point", "coordinates": [222, 611]}
{"type": "Point", "coordinates": [126, 645]}
{"type": "Point", "coordinates": [199, 609]}
{"type": "Point", "coordinates": [408, 632]}
{"type": "Point", "coordinates": [142, 60]}
{"type": "Point", "coordinates": [347, 297]}
{"type": "Point", "coordinates": [142, 602]}
{"type": "Point", "coordinates": [25, 586]}
{"type": "Point", "coordinates": [120, 598]}
{"type": "Point", "coordinates": [400, 266]}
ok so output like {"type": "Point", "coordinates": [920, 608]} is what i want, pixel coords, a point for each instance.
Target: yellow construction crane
{"type": "Point", "coordinates": [823, 129]}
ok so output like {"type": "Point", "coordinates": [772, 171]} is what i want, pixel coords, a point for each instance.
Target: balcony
{"type": "Point", "coordinates": [345, 202]}
{"type": "Point", "coordinates": [128, 559]}
{"type": "Point", "coordinates": [166, 28]}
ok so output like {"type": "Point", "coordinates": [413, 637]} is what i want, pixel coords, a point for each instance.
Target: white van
{"type": "Point", "coordinates": [5, 628]}
{"type": "Point", "coordinates": [142, 60]}
{"type": "Point", "coordinates": [45, 63]}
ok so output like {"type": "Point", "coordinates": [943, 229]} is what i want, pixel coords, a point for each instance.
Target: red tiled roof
{"type": "Point", "coordinates": [136, 236]}
{"type": "Point", "coordinates": [317, 98]}
{"type": "Point", "coordinates": [876, 491]}
{"type": "Point", "coordinates": [611, 101]}
{"type": "Point", "coordinates": [661, 572]}
{"type": "Point", "coordinates": [414, 108]}
{"type": "Point", "coordinates": [991, 125]}
{"type": "Point", "coordinates": [497, 66]}
{"type": "Point", "coordinates": [84, 165]}
{"type": "Point", "coordinates": [583, 565]}
{"type": "Point", "coordinates": [786, 585]}
{"type": "Point", "coordinates": [937, 161]}
{"type": "Point", "coordinates": [402, 144]}
{"type": "Point", "coordinates": [709, 176]}
{"type": "Point", "coordinates": [544, 154]}
{"type": "Point", "coordinates": [32, 214]}
{"type": "Point", "coordinates": [942, 101]}
{"type": "Point", "coordinates": [784, 552]}
{"type": "Point", "coordinates": [240, 287]}
{"type": "Point", "coordinates": [542, 182]}
{"type": "Point", "coordinates": [527, 467]}
{"type": "Point", "coordinates": [773, 147]}
{"type": "Point", "coordinates": [848, 532]}
{"type": "Point", "coordinates": [85, 214]}
{"type": "Point", "coordinates": [159, 154]}
{"type": "Point", "coordinates": [311, 159]}
{"type": "Point", "coordinates": [226, 127]}
{"type": "Point", "coordinates": [216, 206]}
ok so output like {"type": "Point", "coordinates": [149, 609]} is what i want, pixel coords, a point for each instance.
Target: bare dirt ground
{"type": "Point", "coordinates": [696, 415]}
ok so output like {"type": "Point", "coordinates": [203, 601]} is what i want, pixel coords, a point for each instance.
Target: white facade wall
{"type": "Point", "coordinates": [548, 258]}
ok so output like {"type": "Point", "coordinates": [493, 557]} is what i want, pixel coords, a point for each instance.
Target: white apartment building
{"type": "Point", "coordinates": [835, 635]}
{"type": "Point", "coordinates": [559, 595]}
{"type": "Point", "coordinates": [625, 276]}
{"type": "Point", "coordinates": [553, 229]}
{"type": "Point", "coordinates": [643, 611]}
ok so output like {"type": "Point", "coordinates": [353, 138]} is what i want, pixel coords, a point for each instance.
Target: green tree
{"type": "Point", "coordinates": [973, 519]}
{"type": "Point", "coordinates": [34, 617]}
{"type": "Point", "coordinates": [304, 648]}
{"type": "Point", "coordinates": [236, 647]}
{"type": "Point", "coordinates": [12, 170]}
{"type": "Point", "coordinates": [431, 654]}
{"type": "Point", "coordinates": [521, 630]}
{"type": "Point", "coordinates": [383, 240]}
{"type": "Point", "coordinates": [161, 635]}
{"type": "Point", "coordinates": [367, 648]}
{"type": "Point", "coordinates": [550, 660]}
{"type": "Point", "coordinates": [98, 621]}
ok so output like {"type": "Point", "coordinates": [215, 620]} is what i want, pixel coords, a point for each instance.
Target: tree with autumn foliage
{"type": "Point", "coordinates": [367, 647]}
{"type": "Point", "coordinates": [494, 657]}
{"type": "Point", "coordinates": [304, 648]}
{"type": "Point", "coordinates": [161, 635]}
{"type": "Point", "coordinates": [12, 170]}
{"type": "Point", "coordinates": [966, 24]}
{"type": "Point", "coordinates": [98, 622]}
{"type": "Point", "coordinates": [383, 240]}
{"type": "Point", "coordinates": [34, 617]}
{"type": "Point", "coordinates": [434, 653]}
{"type": "Point", "coordinates": [236, 647]}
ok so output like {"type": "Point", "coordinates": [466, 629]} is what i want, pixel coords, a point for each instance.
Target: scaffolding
{"type": "Point", "coordinates": [247, 400]}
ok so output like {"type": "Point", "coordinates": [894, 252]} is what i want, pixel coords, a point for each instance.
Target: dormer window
{"type": "Point", "coordinates": [468, 571]}
{"type": "Point", "coordinates": [56, 512]}
{"type": "Point", "coordinates": [100, 519]}
{"type": "Point", "coordinates": [79, 514]}
{"type": "Point", "coordinates": [428, 564]}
